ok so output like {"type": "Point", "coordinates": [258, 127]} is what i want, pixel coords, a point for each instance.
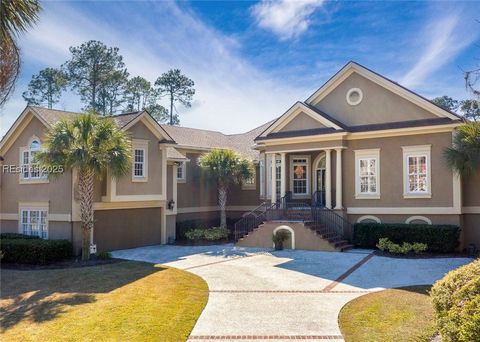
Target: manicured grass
{"type": "Point", "coordinates": [404, 314]}
{"type": "Point", "coordinates": [125, 301]}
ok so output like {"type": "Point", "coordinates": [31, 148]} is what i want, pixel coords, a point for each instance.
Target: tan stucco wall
{"type": "Point", "coordinates": [301, 122]}
{"type": "Point", "coordinates": [471, 190]}
{"type": "Point", "coordinates": [169, 182]}
{"type": "Point", "coordinates": [57, 192]}
{"type": "Point", "coordinates": [379, 105]}
{"type": "Point", "coordinates": [198, 190]}
{"type": "Point", "coordinates": [125, 185]}
{"type": "Point", "coordinates": [127, 228]}
{"type": "Point", "coordinates": [391, 172]}
{"type": "Point", "coordinates": [305, 238]}
{"type": "Point", "coordinates": [436, 219]}
{"type": "Point", "coordinates": [171, 231]}
{"type": "Point", "coordinates": [305, 146]}
{"type": "Point", "coordinates": [471, 229]}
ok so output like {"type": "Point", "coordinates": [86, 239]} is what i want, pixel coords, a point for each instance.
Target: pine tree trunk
{"type": "Point", "coordinates": [171, 109]}
{"type": "Point", "coordinates": [85, 185]}
{"type": "Point", "coordinates": [222, 202]}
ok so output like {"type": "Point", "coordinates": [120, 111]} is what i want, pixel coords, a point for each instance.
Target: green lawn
{"type": "Point", "coordinates": [125, 301]}
{"type": "Point", "coordinates": [403, 314]}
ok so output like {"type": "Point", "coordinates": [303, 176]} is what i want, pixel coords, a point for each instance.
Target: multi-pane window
{"type": "Point", "coordinates": [300, 176]}
{"type": "Point", "coordinates": [417, 174]}
{"type": "Point", "coordinates": [30, 167]}
{"type": "Point", "coordinates": [416, 171]}
{"type": "Point", "coordinates": [139, 163]}
{"type": "Point", "coordinates": [34, 222]}
{"type": "Point", "coordinates": [181, 171]}
{"type": "Point", "coordinates": [368, 175]}
{"type": "Point", "coordinates": [278, 176]}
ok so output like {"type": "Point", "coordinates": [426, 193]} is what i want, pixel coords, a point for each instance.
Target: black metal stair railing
{"type": "Point", "coordinates": [329, 222]}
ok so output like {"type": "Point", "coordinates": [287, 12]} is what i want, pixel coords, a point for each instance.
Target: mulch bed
{"type": "Point", "coordinates": [70, 263]}
{"type": "Point", "coordinates": [422, 256]}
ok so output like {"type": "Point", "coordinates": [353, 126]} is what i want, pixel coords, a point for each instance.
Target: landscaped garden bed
{"type": "Point", "coordinates": [123, 301]}
{"type": "Point", "coordinates": [206, 236]}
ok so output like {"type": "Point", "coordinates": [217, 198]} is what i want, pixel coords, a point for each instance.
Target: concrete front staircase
{"type": "Point", "coordinates": [304, 234]}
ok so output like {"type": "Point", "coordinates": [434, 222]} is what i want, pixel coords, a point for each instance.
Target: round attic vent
{"type": "Point", "coordinates": [354, 96]}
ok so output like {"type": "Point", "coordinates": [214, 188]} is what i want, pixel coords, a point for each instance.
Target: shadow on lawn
{"type": "Point", "coordinates": [42, 295]}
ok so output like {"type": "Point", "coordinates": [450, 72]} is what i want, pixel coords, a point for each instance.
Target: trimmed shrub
{"type": "Point", "coordinates": [438, 238]}
{"type": "Point", "coordinates": [17, 236]}
{"type": "Point", "coordinates": [35, 251]}
{"type": "Point", "coordinates": [211, 234]}
{"type": "Point", "coordinates": [184, 226]}
{"type": "Point", "coordinates": [104, 255]}
{"type": "Point", "coordinates": [388, 246]}
{"type": "Point", "coordinates": [456, 301]}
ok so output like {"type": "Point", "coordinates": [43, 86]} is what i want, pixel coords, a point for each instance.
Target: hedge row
{"type": "Point", "coordinates": [17, 236]}
{"type": "Point", "coordinates": [34, 251]}
{"type": "Point", "coordinates": [456, 301]}
{"type": "Point", "coordinates": [184, 226]}
{"type": "Point", "coordinates": [439, 238]}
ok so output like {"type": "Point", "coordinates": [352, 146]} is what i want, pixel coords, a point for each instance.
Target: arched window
{"type": "Point", "coordinates": [30, 168]}
{"type": "Point", "coordinates": [368, 219]}
{"type": "Point", "coordinates": [418, 220]}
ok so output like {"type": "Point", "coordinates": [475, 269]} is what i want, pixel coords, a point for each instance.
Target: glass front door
{"type": "Point", "coordinates": [321, 180]}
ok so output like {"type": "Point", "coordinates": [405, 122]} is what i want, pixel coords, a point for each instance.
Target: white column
{"type": "Point", "coordinates": [274, 179]}
{"type": "Point", "coordinates": [338, 193]}
{"type": "Point", "coordinates": [283, 169]}
{"type": "Point", "coordinates": [328, 179]}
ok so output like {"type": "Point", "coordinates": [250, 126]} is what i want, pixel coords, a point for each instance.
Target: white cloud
{"type": "Point", "coordinates": [232, 95]}
{"type": "Point", "coordinates": [443, 39]}
{"type": "Point", "coordinates": [285, 18]}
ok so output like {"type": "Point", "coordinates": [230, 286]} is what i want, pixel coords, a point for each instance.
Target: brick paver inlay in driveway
{"type": "Point", "coordinates": [259, 294]}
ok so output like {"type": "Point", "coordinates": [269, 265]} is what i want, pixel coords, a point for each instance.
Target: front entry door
{"type": "Point", "coordinates": [320, 194]}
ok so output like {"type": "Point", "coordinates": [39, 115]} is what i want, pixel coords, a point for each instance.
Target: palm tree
{"type": "Point", "coordinates": [226, 167]}
{"type": "Point", "coordinates": [15, 17]}
{"type": "Point", "coordinates": [464, 156]}
{"type": "Point", "coordinates": [92, 145]}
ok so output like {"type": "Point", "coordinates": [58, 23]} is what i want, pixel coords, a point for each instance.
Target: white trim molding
{"type": "Point", "coordinates": [403, 210]}
{"type": "Point", "coordinates": [418, 218]}
{"type": "Point", "coordinates": [367, 154]}
{"type": "Point", "coordinates": [354, 102]}
{"type": "Point", "coordinates": [368, 217]}
{"type": "Point", "coordinates": [307, 174]}
{"type": "Point", "coordinates": [417, 151]}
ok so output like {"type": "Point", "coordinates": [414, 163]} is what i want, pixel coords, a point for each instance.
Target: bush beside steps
{"type": "Point", "coordinates": [385, 245]}
{"type": "Point", "coordinates": [25, 249]}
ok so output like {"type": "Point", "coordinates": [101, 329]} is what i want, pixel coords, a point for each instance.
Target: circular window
{"type": "Point", "coordinates": [354, 96]}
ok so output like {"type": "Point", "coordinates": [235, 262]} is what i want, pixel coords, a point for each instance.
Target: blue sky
{"type": "Point", "coordinates": [252, 60]}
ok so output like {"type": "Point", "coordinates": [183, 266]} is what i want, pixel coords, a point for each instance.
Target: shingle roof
{"type": "Point", "coordinates": [200, 138]}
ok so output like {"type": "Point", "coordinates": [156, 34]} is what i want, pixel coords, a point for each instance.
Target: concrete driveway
{"type": "Point", "coordinates": [260, 294]}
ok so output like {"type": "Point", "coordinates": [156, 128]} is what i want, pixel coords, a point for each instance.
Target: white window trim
{"type": "Point", "coordinates": [29, 180]}
{"type": "Point", "coordinates": [138, 144]}
{"type": "Point", "coordinates": [418, 218]}
{"type": "Point", "coordinates": [362, 154]}
{"type": "Point", "coordinates": [360, 96]}
{"type": "Point", "coordinates": [368, 217]}
{"type": "Point", "coordinates": [182, 165]}
{"type": "Point", "coordinates": [32, 206]}
{"type": "Point", "coordinates": [417, 151]}
{"type": "Point", "coordinates": [261, 167]}
{"type": "Point", "coordinates": [307, 157]}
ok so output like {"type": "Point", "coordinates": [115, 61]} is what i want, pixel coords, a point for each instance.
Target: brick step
{"type": "Point", "coordinates": [346, 247]}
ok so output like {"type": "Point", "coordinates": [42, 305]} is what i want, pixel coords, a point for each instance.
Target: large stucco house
{"type": "Point", "coordinates": [361, 148]}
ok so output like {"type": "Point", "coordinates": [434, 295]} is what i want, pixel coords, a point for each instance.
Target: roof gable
{"type": "Point", "coordinates": [386, 83]}
{"type": "Point", "coordinates": [299, 110]}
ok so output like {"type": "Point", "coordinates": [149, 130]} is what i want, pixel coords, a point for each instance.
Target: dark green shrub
{"type": "Point", "coordinates": [438, 238]}
{"type": "Point", "coordinates": [279, 238]}
{"type": "Point", "coordinates": [456, 301]}
{"type": "Point", "coordinates": [35, 251]}
{"type": "Point", "coordinates": [211, 234]}
{"type": "Point", "coordinates": [104, 255]}
{"type": "Point", "coordinates": [17, 236]}
{"type": "Point", "coordinates": [386, 245]}
{"type": "Point", "coordinates": [184, 226]}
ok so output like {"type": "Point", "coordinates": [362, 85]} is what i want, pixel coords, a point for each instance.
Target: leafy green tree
{"type": "Point", "coordinates": [92, 145]}
{"type": "Point", "coordinates": [464, 156]}
{"type": "Point", "coordinates": [470, 109]}
{"type": "Point", "coordinates": [91, 67]}
{"type": "Point", "coordinates": [139, 93]}
{"type": "Point", "coordinates": [160, 113]}
{"type": "Point", "coordinates": [46, 87]}
{"type": "Point", "coordinates": [177, 87]}
{"type": "Point", "coordinates": [226, 167]}
{"type": "Point", "coordinates": [472, 77]}
{"type": "Point", "coordinates": [16, 16]}
{"type": "Point", "coordinates": [446, 102]}
{"type": "Point", "coordinates": [111, 95]}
